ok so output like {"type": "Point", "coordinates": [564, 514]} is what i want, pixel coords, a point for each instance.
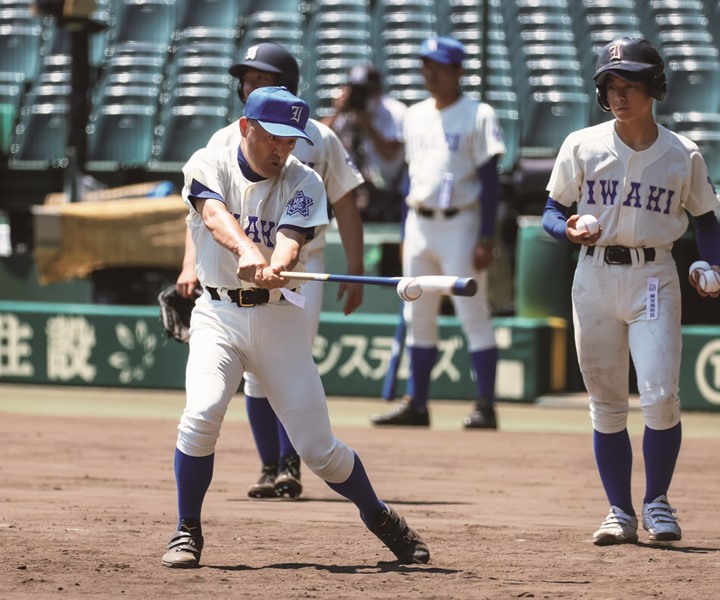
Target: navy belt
{"type": "Point", "coordinates": [430, 213]}
{"type": "Point", "coordinates": [620, 255]}
{"type": "Point", "coordinates": [245, 298]}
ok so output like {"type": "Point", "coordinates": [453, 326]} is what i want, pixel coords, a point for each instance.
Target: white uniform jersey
{"type": "Point", "coordinates": [639, 198]}
{"type": "Point", "coordinates": [328, 158]}
{"type": "Point", "coordinates": [296, 198]}
{"type": "Point", "coordinates": [444, 149]}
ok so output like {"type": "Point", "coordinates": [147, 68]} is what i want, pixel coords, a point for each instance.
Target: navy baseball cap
{"type": "Point", "coordinates": [445, 50]}
{"type": "Point", "coordinates": [279, 112]}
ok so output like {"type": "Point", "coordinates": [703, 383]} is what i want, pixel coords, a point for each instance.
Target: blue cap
{"type": "Point", "coordinates": [279, 112]}
{"type": "Point", "coordinates": [445, 50]}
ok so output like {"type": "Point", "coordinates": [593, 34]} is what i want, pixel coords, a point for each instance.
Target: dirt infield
{"type": "Point", "coordinates": [87, 504]}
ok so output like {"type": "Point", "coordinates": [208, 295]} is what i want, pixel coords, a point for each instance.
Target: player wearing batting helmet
{"type": "Point", "coordinates": [265, 64]}
{"type": "Point", "coordinates": [641, 181]}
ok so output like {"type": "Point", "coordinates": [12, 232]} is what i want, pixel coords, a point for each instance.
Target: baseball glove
{"type": "Point", "coordinates": [175, 313]}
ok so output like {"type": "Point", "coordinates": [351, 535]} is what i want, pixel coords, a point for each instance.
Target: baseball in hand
{"type": "Point", "coordinates": [408, 289]}
{"type": "Point", "coordinates": [587, 223]}
{"type": "Point", "coordinates": [699, 265]}
{"type": "Point", "coordinates": [710, 281]}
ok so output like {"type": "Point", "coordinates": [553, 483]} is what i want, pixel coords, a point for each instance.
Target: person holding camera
{"type": "Point", "coordinates": [369, 124]}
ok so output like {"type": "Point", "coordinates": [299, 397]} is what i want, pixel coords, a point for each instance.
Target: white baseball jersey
{"type": "Point", "coordinates": [443, 150]}
{"type": "Point", "coordinates": [296, 198]}
{"type": "Point", "coordinates": [328, 158]}
{"type": "Point", "coordinates": [639, 198]}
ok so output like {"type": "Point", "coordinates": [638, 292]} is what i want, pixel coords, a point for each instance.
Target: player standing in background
{"type": "Point", "coordinates": [639, 180]}
{"type": "Point", "coordinates": [251, 210]}
{"type": "Point", "coordinates": [452, 145]}
{"type": "Point", "coordinates": [267, 64]}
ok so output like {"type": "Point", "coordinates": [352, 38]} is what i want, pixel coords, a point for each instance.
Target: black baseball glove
{"type": "Point", "coordinates": [175, 313]}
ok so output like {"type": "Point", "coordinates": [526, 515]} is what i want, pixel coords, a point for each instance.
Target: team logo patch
{"type": "Point", "coordinates": [615, 52]}
{"type": "Point", "coordinates": [251, 53]}
{"type": "Point", "coordinates": [296, 113]}
{"type": "Point", "coordinates": [300, 204]}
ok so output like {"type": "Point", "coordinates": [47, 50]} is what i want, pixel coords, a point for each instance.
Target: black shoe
{"type": "Point", "coordinates": [287, 482]}
{"type": "Point", "coordinates": [402, 541]}
{"type": "Point", "coordinates": [482, 417]}
{"type": "Point", "coordinates": [184, 549]}
{"type": "Point", "coordinates": [265, 486]}
{"type": "Point", "coordinates": [404, 414]}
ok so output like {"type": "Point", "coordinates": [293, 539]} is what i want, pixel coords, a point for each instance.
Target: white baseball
{"type": "Point", "coordinates": [408, 289]}
{"type": "Point", "coordinates": [699, 264]}
{"type": "Point", "coordinates": [710, 281]}
{"type": "Point", "coordinates": [587, 223]}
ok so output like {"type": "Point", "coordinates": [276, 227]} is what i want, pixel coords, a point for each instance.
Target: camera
{"type": "Point", "coordinates": [359, 97]}
{"type": "Point", "coordinates": [364, 83]}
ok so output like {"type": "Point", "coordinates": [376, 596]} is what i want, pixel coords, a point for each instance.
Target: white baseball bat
{"type": "Point", "coordinates": [446, 284]}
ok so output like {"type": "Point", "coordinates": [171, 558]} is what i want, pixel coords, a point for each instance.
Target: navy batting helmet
{"type": "Point", "coordinates": [632, 59]}
{"type": "Point", "coordinates": [270, 57]}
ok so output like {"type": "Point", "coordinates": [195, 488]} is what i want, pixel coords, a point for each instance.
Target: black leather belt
{"type": "Point", "coordinates": [430, 213]}
{"type": "Point", "coordinates": [243, 297]}
{"type": "Point", "coordinates": [620, 255]}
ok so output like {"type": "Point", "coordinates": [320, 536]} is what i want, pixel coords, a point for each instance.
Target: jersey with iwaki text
{"type": "Point", "coordinates": [639, 198]}
{"type": "Point", "coordinates": [295, 198]}
{"type": "Point", "coordinates": [328, 158]}
{"type": "Point", "coordinates": [444, 148]}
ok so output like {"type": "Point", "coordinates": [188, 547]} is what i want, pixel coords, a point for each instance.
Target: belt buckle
{"type": "Point", "coordinates": [614, 255]}
{"type": "Point", "coordinates": [241, 299]}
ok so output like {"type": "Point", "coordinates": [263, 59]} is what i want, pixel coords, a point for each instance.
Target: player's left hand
{"type": "Point", "coordinates": [583, 238]}
{"type": "Point", "coordinates": [694, 279]}
{"type": "Point", "coordinates": [269, 278]}
{"type": "Point", "coordinates": [482, 255]}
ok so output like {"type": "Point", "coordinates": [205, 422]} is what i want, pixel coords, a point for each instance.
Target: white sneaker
{"type": "Point", "coordinates": [659, 520]}
{"type": "Point", "coordinates": [617, 528]}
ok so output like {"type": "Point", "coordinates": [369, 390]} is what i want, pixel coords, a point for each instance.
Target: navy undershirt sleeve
{"type": "Point", "coordinates": [707, 237]}
{"type": "Point", "coordinates": [554, 219]}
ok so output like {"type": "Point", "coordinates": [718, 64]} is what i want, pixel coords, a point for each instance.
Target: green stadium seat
{"type": "Point", "coordinates": [209, 13]}
{"type": "Point", "coordinates": [10, 101]}
{"type": "Point", "coordinates": [151, 21]}
{"type": "Point", "coordinates": [40, 138]}
{"type": "Point", "coordinates": [183, 131]}
{"type": "Point", "coordinates": [20, 49]}
{"type": "Point", "coordinates": [121, 138]}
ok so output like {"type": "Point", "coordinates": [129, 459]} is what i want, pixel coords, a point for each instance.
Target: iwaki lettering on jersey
{"type": "Point", "coordinates": [261, 231]}
{"type": "Point", "coordinates": [651, 197]}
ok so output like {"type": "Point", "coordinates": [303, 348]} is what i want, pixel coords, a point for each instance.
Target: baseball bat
{"type": "Point", "coordinates": [446, 284]}
{"type": "Point", "coordinates": [390, 383]}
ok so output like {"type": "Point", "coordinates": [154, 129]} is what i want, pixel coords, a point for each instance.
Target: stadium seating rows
{"type": "Point", "coordinates": [161, 87]}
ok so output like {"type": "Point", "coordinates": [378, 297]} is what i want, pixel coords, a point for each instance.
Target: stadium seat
{"type": "Point", "coordinates": [151, 21]}
{"type": "Point", "coordinates": [209, 13]}
{"type": "Point", "coordinates": [692, 85]}
{"type": "Point", "coordinates": [10, 101]}
{"type": "Point", "coordinates": [121, 138]}
{"type": "Point", "coordinates": [40, 138]}
{"type": "Point", "coordinates": [182, 132]}
{"type": "Point", "coordinates": [20, 49]}
{"type": "Point", "coordinates": [548, 118]}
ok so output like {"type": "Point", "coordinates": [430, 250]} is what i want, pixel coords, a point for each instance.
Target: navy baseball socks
{"type": "Point", "coordinates": [484, 363]}
{"type": "Point", "coordinates": [381, 519]}
{"type": "Point", "coordinates": [193, 476]}
{"type": "Point", "coordinates": [412, 410]}
{"type": "Point", "coordinates": [280, 471]}
{"type": "Point", "coordinates": [613, 455]}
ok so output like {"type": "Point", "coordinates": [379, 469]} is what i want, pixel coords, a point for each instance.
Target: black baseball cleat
{"type": "Point", "coordinates": [287, 482]}
{"type": "Point", "coordinates": [403, 542]}
{"type": "Point", "coordinates": [265, 485]}
{"type": "Point", "coordinates": [405, 414]}
{"type": "Point", "coordinates": [184, 549]}
{"type": "Point", "coordinates": [482, 417]}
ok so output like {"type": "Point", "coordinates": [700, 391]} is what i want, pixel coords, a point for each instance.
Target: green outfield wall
{"type": "Point", "coordinates": [118, 346]}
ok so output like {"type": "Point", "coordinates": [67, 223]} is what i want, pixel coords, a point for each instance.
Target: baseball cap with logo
{"type": "Point", "coordinates": [445, 50]}
{"type": "Point", "coordinates": [278, 112]}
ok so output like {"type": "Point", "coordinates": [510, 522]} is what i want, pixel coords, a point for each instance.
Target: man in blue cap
{"type": "Point", "coordinates": [452, 145]}
{"type": "Point", "coordinates": [252, 208]}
